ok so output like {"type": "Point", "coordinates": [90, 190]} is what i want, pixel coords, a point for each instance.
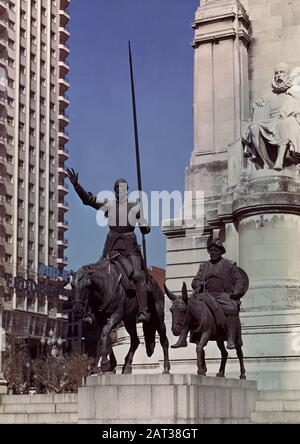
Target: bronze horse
{"type": "Point", "coordinates": [99, 287]}
{"type": "Point", "coordinates": [203, 328]}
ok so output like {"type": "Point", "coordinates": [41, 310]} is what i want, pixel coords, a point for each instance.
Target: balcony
{"type": "Point", "coordinates": [63, 152]}
{"type": "Point", "coordinates": [3, 102]}
{"type": "Point", "coordinates": [63, 243]}
{"type": "Point", "coordinates": [63, 188]}
{"type": "Point", "coordinates": [64, 85]}
{"type": "Point", "coordinates": [61, 170]}
{"type": "Point", "coordinates": [2, 122]}
{"type": "Point", "coordinates": [3, 62]}
{"type": "Point", "coordinates": [63, 260]}
{"type": "Point", "coordinates": [63, 137]}
{"type": "Point", "coordinates": [63, 206]}
{"type": "Point", "coordinates": [64, 4]}
{"type": "Point", "coordinates": [63, 68]}
{"type": "Point", "coordinates": [3, 141]}
{"type": "Point", "coordinates": [64, 51]}
{"type": "Point", "coordinates": [3, 44]}
{"type": "Point", "coordinates": [63, 17]}
{"type": "Point", "coordinates": [63, 102]}
{"type": "Point", "coordinates": [63, 121]}
{"type": "Point", "coordinates": [64, 34]}
{"type": "Point", "coordinates": [3, 24]}
{"type": "Point", "coordinates": [3, 6]}
{"type": "Point", "coordinates": [64, 225]}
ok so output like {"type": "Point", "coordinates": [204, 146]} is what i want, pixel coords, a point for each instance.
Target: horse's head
{"type": "Point", "coordinates": [178, 309]}
{"type": "Point", "coordinates": [80, 283]}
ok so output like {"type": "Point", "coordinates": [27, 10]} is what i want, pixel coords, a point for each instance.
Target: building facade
{"type": "Point", "coordinates": [33, 121]}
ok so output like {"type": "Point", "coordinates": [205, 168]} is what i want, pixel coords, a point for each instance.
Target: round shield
{"type": "Point", "coordinates": [245, 279]}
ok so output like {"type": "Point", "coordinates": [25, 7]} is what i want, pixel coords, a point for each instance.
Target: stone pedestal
{"type": "Point", "coordinates": [165, 399]}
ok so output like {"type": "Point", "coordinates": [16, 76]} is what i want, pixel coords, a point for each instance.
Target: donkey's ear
{"type": "Point", "coordinates": [170, 295]}
{"type": "Point", "coordinates": [184, 293]}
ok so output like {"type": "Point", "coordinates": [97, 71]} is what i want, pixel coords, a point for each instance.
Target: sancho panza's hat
{"type": "Point", "coordinates": [216, 243]}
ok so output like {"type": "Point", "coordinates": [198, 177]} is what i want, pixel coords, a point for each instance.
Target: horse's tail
{"type": "Point", "coordinates": [149, 334]}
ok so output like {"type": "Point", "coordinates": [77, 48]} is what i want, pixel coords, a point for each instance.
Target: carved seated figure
{"type": "Point", "coordinates": [273, 137]}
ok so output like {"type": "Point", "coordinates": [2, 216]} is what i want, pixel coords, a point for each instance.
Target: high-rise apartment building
{"type": "Point", "coordinates": [33, 121]}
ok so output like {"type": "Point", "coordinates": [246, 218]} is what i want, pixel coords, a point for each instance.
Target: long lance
{"type": "Point", "coordinates": [137, 150]}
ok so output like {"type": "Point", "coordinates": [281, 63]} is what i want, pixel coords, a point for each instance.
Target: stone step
{"type": "Point", "coordinates": [275, 417]}
{"type": "Point", "coordinates": [276, 405]}
{"type": "Point", "coordinates": [39, 408]}
{"type": "Point", "coordinates": [280, 394]}
{"type": "Point", "coordinates": [41, 418]}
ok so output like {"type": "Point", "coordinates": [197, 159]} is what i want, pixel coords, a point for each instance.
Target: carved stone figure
{"type": "Point", "coordinates": [273, 138]}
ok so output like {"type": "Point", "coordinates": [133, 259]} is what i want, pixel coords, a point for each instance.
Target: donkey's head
{"type": "Point", "coordinates": [178, 309]}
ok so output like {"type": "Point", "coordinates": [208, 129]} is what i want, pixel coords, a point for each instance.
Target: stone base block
{"type": "Point", "coordinates": [165, 399]}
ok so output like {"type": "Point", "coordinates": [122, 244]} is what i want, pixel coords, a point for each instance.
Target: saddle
{"type": "Point", "coordinates": [125, 268]}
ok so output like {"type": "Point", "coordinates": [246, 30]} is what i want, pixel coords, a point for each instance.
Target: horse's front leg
{"type": "Point", "coordinates": [114, 320]}
{"type": "Point", "coordinates": [224, 355]}
{"type": "Point", "coordinates": [200, 353]}
{"type": "Point", "coordinates": [240, 355]}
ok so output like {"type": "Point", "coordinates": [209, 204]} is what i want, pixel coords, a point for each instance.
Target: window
{"type": "Point", "coordinates": [31, 209]}
{"type": "Point", "coordinates": [43, 46]}
{"type": "Point", "coordinates": [11, 44]}
{"type": "Point", "coordinates": [11, 25]}
{"type": "Point", "coordinates": [43, 82]}
{"type": "Point", "coordinates": [20, 242]}
{"type": "Point", "coordinates": [43, 64]}
{"type": "Point", "coordinates": [31, 169]}
{"type": "Point", "coordinates": [52, 195]}
{"type": "Point", "coordinates": [52, 70]}
{"type": "Point", "coordinates": [21, 164]}
{"type": "Point", "coordinates": [20, 203]}
{"type": "Point", "coordinates": [33, 21]}
{"type": "Point", "coordinates": [22, 89]}
{"type": "Point", "coordinates": [44, 11]}
{"type": "Point", "coordinates": [21, 126]}
{"type": "Point", "coordinates": [32, 131]}
{"type": "Point", "coordinates": [31, 150]}
{"type": "Point", "coordinates": [10, 140]}
{"type": "Point", "coordinates": [43, 29]}
{"type": "Point", "coordinates": [10, 121]}
{"type": "Point", "coordinates": [30, 245]}
{"type": "Point", "coordinates": [43, 119]}
{"type": "Point", "coordinates": [33, 40]}
{"type": "Point", "coordinates": [21, 183]}
{"type": "Point", "coordinates": [22, 51]}
{"type": "Point", "coordinates": [23, 33]}
{"type": "Point", "coordinates": [52, 106]}
{"type": "Point", "coordinates": [33, 58]}
{"type": "Point", "coordinates": [31, 226]}
{"type": "Point", "coordinates": [43, 100]}
{"type": "Point", "coordinates": [11, 6]}
{"type": "Point", "coordinates": [51, 234]}
{"type": "Point", "coordinates": [20, 261]}
{"type": "Point", "coordinates": [53, 53]}
{"type": "Point", "coordinates": [52, 160]}
{"type": "Point", "coordinates": [52, 124]}
{"type": "Point", "coordinates": [31, 187]}
{"type": "Point", "coordinates": [9, 159]}
{"type": "Point", "coordinates": [21, 222]}
{"type": "Point", "coordinates": [10, 83]}
{"type": "Point", "coordinates": [22, 108]}
{"type": "Point", "coordinates": [42, 192]}
{"type": "Point", "coordinates": [53, 18]}
{"type": "Point", "coordinates": [52, 178]}
{"type": "Point", "coordinates": [22, 69]}
{"type": "Point", "coordinates": [8, 258]}
{"type": "Point", "coordinates": [52, 87]}
{"type": "Point", "coordinates": [43, 137]}
{"type": "Point", "coordinates": [42, 155]}
{"type": "Point", "coordinates": [8, 239]}
{"type": "Point", "coordinates": [42, 173]}
{"type": "Point", "coordinates": [9, 219]}
{"type": "Point", "coordinates": [23, 14]}
{"type": "Point", "coordinates": [21, 146]}
{"type": "Point", "coordinates": [32, 75]}
{"type": "Point", "coordinates": [11, 62]}
{"type": "Point", "coordinates": [52, 141]}
{"type": "Point", "coordinates": [42, 212]}
{"type": "Point", "coordinates": [10, 101]}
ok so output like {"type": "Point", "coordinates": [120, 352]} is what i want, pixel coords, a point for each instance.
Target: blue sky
{"type": "Point", "coordinates": [101, 130]}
